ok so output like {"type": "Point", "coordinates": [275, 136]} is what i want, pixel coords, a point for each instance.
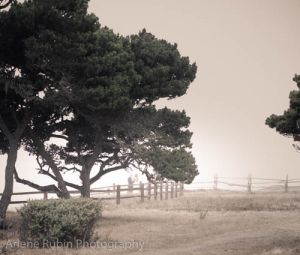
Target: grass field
{"type": "Point", "coordinates": [204, 222]}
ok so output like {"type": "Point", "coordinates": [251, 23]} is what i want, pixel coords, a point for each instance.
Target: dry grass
{"type": "Point", "coordinates": [209, 223]}
{"type": "Point", "coordinates": [219, 201]}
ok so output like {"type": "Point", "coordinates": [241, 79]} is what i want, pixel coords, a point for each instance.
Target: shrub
{"type": "Point", "coordinates": [64, 220]}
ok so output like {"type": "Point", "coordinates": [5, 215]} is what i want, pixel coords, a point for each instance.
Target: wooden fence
{"type": "Point", "coordinates": [169, 190]}
{"type": "Point", "coordinates": [249, 184]}
{"type": "Point", "coordinates": [143, 191]}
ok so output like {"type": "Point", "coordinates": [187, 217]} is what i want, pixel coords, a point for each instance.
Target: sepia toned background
{"type": "Point", "coordinates": [247, 52]}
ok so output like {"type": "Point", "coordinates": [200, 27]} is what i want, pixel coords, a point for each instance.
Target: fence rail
{"type": "Point", "coordinates": [249, 184]}
{"type": "Point", "coordinates": [170, 190]}
{"type": "Point", "coordinates": [116, 192]}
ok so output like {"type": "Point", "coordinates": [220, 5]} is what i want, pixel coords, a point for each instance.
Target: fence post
{"type": "Point", "coordinates": [161, 190]}
{"type": "Point", "coordinates": [215, 182]}
{"type": "Point", "coordinates": [181, 188]}
{"type": "Point", "coordinates": [45, 195]}
{"type": "Point", "coordinates": [286, 184]}
{"type": "Point", "coordinates": [142, 192]}
{"type": "Point", "coordinates": [167, 190]}
{"type": "Point", "coordinates": [155, 190]}
{"type": "Point", "coordinates": [176, 190]}
{"type": "Point", "coordinates": [172, 189]}
{"type": "Point", "coordinates": [249, 183]}
{"type": "Point", "coordinates": [118, 194]}
{"type": "Point", "coordinates": [130, 187]}
{"type": "Point", "coordinates": [149, 190]}
{"type": "Point", "coordinates": [114, 187]}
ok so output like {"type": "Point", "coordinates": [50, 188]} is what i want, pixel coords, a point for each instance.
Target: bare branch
{"type": "Point", "coordinates": [59, 136]}
{"type": "Point", "coordinates": [102, 171]}
{"type": "Point", "coordinates": [47, 188]}
{"type": "Point", "coordinates": [102, 166]}
{"type": "Point", "coordinates": [106, 171]}
{"type": "Point", "coordinates": [53, 177]}
{"type": "Point", "coordinates": [3, 5]}
{"type": "Point", "coordinates": [41, 165]}
{"type": "Point", "coordinates": [74, 169]}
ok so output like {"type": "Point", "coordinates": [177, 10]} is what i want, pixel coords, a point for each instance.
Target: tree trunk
{"type": "Point", "coordinates": [86, 184]}
{"type": "Point", "coordinates": [87, 167]}
{"type": "Point", "coordinates": [47, 157]}
{"type": "Point", "coordinates": [9, 182]}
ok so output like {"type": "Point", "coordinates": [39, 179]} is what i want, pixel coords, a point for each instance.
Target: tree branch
{"type": "Point", "coordinates": [3, 6]}
{"type": "Point", "coordinates": [102, 171]}
{"type": "Point", "coordinates": [59, 136]}
{"type": "Point", "coordinates": [47, 157]}
{"type": "Point", "coordinates": [74, 169]}
{"type": "Point", "coordinates": [48, 188]}
{"type": "Point", "coordinates": [102, 166]}
{"type": "Point", "coordinates": [53, 177]}
{"type": "Point", "coordinates": [106, 171]}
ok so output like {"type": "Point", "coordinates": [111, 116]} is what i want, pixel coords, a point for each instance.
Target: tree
{"type": "Point", "coordinates": [96, 96]}
{"type": "Point", "coordinates": [109, 100]}
{"type": "Point", "coordinates": [288, 124]}
{"type": "Point", "coordinates": [149, 140]}
{"type": "Point", "coordinates": [40, 43]}
{"type": "Point", "coordinates": [18, 97]}
{"type": "Point", "coordinates": [84, 83]}
{"type": "Point", "coordinates": [161, 150]}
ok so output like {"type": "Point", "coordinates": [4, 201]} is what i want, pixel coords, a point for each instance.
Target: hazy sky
{"type": "Point", "coordinates": [247, 52]}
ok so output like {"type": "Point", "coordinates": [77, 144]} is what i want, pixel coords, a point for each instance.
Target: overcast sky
{"type": "Point", "coordinates": [247, 52]}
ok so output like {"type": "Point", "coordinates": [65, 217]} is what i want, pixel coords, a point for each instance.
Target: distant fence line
{"type": "Point", "coordinates": [248, 184]}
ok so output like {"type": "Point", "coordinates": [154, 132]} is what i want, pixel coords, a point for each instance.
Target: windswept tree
{"type": "Point", "coordinates": [154, 142]}
{"type": "Point", "coordinates": [64, 77]}
{"type": "Point", "coordinates": [111, 104]}
{"type": "Point", "coordinates": [29, 78]}
{"type": "Point", "coordinates": [92, 98]}
{"type": "Point", "coordinates": [288, 124]}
